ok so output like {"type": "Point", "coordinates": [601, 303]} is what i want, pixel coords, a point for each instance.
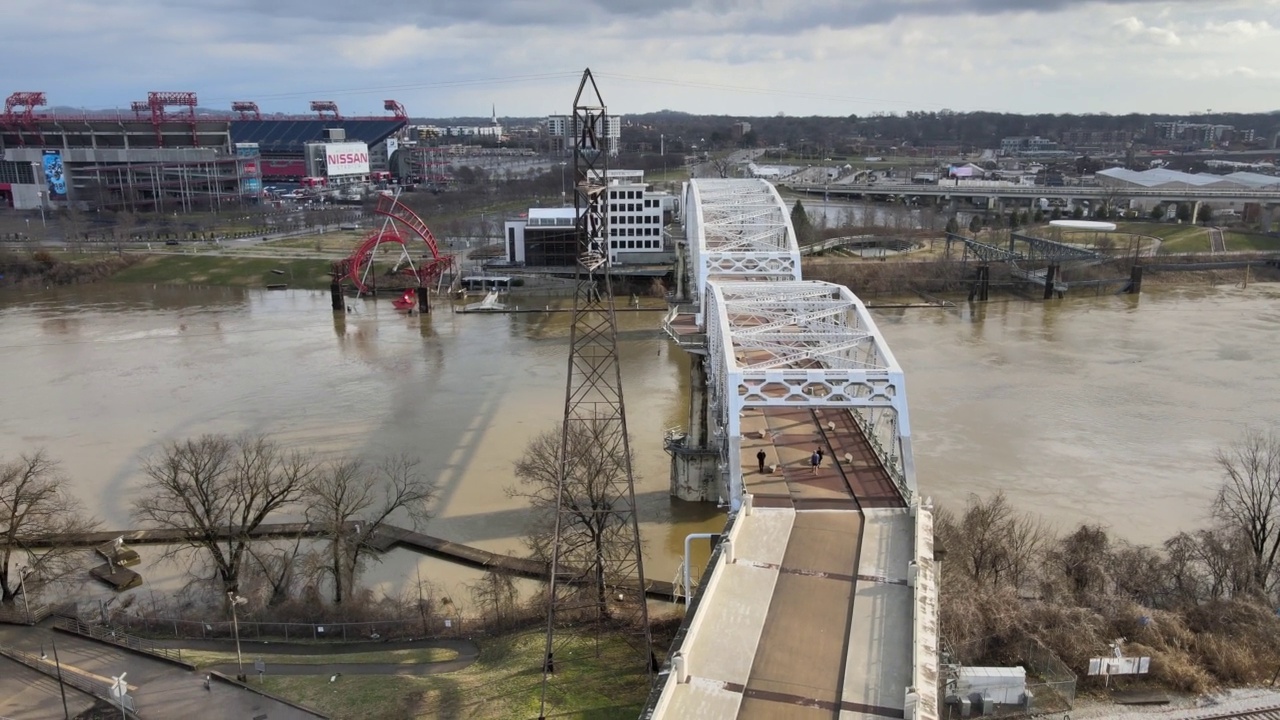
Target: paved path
{"type": "Point", "coordinates": [467, 654]}
{"type": "Point", "coordinates": [1217, 243]}
{"type": "Point", "coordinates": [164, 690]}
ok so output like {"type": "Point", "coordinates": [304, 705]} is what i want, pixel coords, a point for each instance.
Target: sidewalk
{"type": "Point", "coordinates": [164, 690]}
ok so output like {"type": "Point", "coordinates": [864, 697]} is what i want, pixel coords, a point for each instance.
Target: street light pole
{"type": "Point", "coordinates": [22, 585]}
{"type": "Point", "coordinates": [235, 624]}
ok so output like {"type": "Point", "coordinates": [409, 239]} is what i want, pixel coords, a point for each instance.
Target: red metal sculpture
{"type": "Point", "coordinates": [359, 266]}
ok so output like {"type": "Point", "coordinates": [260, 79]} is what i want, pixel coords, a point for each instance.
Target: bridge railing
{"type": "Point", "coordinates": [46, 666]}
{"type": "Point", "coordinates": [107, 634]}
{"type": "Point", "coordinates": [890, 458]}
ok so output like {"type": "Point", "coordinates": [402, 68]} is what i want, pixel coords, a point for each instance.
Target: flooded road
{"type": "Point", "coordinates": [1100, 409]}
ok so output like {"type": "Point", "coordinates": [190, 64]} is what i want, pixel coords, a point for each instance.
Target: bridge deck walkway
{"type": "Point", "coordinates": [832, 638]}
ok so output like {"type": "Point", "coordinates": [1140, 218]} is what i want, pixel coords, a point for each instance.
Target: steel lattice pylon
{"type": "Point", "coordinates": [597, 576]}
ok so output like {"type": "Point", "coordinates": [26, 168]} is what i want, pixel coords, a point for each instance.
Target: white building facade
{"type": "Point", "coordinates": [562, 130]}
{"type": "Point", "coordinates": [635, 218]}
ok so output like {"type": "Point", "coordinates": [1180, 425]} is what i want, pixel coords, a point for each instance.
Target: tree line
{"type": "Point", "coordinates": [218, 490]}
{"type": "Point", "coordinates": [1201, 604]}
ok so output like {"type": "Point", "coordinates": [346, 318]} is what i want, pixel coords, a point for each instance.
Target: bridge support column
{"type": "Point", "coordinates": [1135, 280]}
{"type": "Point", "coordinates": [694, 466]}
{"type": "Point", "coordinates": [1266, 217]}
{"type": "Point", "coordinates": [335, 296]}
{"type": "Point", "coordinates": [1050, 277]}
{"type": "Point", "coordinates": [981, 289]}
{"type": "Point", "coordinates": [424, 304]}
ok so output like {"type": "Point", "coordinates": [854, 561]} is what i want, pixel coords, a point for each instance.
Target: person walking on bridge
{"type": "Point", "coordinates": [814, 461]}
{"type": "Point", "coordinates": [760, 456]}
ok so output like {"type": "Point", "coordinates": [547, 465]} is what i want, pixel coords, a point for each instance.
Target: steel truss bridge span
{"type": "Point", "coordinates": [820, 598]}
{"type": "Point", "coordinates": [777, 340]}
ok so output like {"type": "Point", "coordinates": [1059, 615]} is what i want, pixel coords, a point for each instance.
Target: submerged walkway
{"type": "Point", "coordinates": [386, 538]}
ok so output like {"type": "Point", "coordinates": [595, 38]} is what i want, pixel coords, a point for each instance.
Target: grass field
{"type": "Point", "coordinates": [1177, 238]}
{"type": "Point", "coordinates": [343, 241]}
{"type": "Point", "coordinates": [503, 684]}
{"type": "Point", "coordinates": [407, 656]}
{"type": "Point", "coordinates": [1238, 241]}
{"type": "Point", "coordinates": [222, 270]}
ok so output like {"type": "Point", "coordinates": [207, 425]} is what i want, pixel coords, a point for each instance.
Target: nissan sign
{"type": "Point", "coordinates": [346, 159]}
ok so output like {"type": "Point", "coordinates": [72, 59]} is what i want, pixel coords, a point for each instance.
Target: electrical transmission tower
{"type": "Point", "coordinates": [597, 576]}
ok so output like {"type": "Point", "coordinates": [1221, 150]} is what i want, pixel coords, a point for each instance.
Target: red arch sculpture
{"type": "Point", "coordinates": [358, 266]}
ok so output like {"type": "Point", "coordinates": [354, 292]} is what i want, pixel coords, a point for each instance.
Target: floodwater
{"type": "Point", "coordinates": [102, 375]}
{"type": "Point", "coordinates": [1089, 409]}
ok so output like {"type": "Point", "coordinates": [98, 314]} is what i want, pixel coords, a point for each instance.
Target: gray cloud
{"type": "Point", "coordinates": [445, 57]}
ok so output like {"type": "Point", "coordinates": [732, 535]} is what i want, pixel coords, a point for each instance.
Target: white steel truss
{"type": "Point", "coordinates": [739, 229]}
{"type": "Point", "coordinates": [802, 344]}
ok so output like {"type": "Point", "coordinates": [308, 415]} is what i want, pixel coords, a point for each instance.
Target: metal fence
{"type": "Point", "coordinates": [68, 676]}
{"type": "Point", "coordinates": [250, 629]}
{"type": "Point", "coordinates": [1051, 686]}
{"type": "Point", "coordinates": [114, 636]}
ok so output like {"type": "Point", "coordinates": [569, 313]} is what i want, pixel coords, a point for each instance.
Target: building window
{"type": "Point", "coordinates": [613, 231]}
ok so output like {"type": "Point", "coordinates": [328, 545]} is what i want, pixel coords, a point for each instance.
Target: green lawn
{"type": "Point", "coordinates": [1249, 241]}
{"type": "Point", "coordinates": [1177, 238]}
{"type": "Point", "coordinates": [220, 270]}
{"type": "Point", "coordinates": [407, 656]}
{"type": "Point", "coordinates": [503, 684]}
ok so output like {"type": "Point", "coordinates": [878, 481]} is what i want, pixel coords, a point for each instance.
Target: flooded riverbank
{"type": "Point", "coordinates": [1100, 409]}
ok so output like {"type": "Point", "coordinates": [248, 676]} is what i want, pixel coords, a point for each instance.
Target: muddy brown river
{"type": "Point", "coordinates": [1091, 409]}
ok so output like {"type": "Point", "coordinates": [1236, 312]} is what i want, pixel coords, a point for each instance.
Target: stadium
{"type": "Point", "coordinates": [164, 155]}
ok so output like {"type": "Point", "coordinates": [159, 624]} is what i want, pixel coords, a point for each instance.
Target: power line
{"type": "Point", "coordinates": [478, 82]}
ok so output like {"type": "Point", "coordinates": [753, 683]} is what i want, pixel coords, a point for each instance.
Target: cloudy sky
{"type": "Point", "coordinates": [444, 58]}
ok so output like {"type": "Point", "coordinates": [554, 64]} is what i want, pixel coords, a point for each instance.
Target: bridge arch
{"type": "Point", "coordinates": [739, 229]}
{"type": "Point", "coordinates": [774, 339]}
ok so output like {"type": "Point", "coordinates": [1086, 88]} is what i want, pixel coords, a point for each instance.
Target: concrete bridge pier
{"type": "Point", "coordinates": [695, 467]}
{"type": "Point", "coordinates": [1267, 217]}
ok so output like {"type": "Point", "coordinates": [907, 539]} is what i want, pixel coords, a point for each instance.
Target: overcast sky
{"type": "Point", "coordinates": [445, 58]}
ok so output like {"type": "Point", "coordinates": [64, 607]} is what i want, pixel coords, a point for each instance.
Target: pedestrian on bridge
{"type": "Point", "coordinates": [822, 455]}
{"type": "Point", "coordinates": [814, 461]}
{"type": "Point", "coordinates": [760, 456]}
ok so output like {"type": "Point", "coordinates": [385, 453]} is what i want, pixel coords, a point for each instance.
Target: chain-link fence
{"type": "Point", "coordinates": [1051, 686]}
{"type": "Point", "coordinates": [434, 626]}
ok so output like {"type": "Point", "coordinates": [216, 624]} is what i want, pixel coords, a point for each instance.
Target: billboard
{"type": "Point", "coordinates": [54, 178]}
{"type": "Point", "coordinates": [346, 158]}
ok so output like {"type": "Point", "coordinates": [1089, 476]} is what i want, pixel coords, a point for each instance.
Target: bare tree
{"type": "Point", "coordinates": [35, 504]}
{"type": "Point", "coordinates": [592, 532]}
{"type": "Point", "coordinates": [495, 595]}
{"type": "Point", "coordinates": [352, 500]}
{"type": "Point", "coordinates": [278, 567]}
{"type": "Point", "coordinates": [1249, 499]}
{"type": "Point", "coordinates": [993, 543]}
{"type": "Point", "coordinates": [1082, 557]}
{"type": "Point", "coordinates": [219, 490]}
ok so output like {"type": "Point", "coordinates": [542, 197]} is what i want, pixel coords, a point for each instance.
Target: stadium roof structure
{"type": "Point", "coordinates": [283, 137]}
{"type": "Point", "coordinates": [1161, 178]}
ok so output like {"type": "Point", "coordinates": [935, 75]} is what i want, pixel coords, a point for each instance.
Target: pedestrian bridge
{"type": "Point", "coordinates": [820, 599]}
